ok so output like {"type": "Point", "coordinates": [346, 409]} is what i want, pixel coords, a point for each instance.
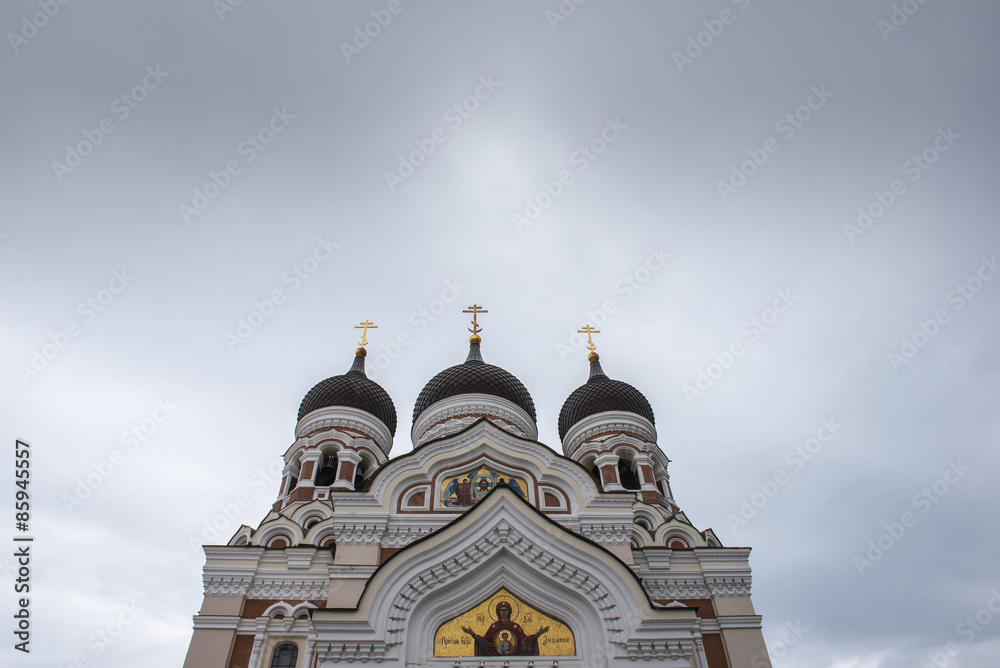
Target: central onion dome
{"type": "Point", "coordinates": [461, 394]}
{"type": "Point", "coordinates": [352, 390]}
{"type": "Point", "coordinates": [601, 394]}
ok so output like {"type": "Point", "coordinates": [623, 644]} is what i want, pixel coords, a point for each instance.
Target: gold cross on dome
{"type": "Point", "coordinates": [475, 329]}
{"type": "Point", "coordinates": [364, 334]}
{"type": "Point", "coordinates": [475, 311]}
{"type": "Point", "coordinates": [589, 331]}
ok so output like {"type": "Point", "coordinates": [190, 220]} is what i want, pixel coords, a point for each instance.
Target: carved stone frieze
{"type": "Point", "coordinates": [608, 534]}
{"type": "Point", "coordinates": [266, 588]}
{"type": "Point", "coordinates": [503, 535]}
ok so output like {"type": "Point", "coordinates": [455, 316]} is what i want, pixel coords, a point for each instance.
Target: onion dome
{"type": "Point", "coordinates": [471, 390]}
{"type": "Point", "coordinates": [354, 390]}
{"type": "Point", "coordinates": [601, 394]}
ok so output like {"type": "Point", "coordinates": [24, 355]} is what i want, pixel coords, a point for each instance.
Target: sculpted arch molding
{"type": "Point", "coordinates": [504, 542]}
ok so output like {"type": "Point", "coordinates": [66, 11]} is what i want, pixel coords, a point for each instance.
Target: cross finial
{"type": "Point", "coordinates": [589, 330]}
{"type": "Point", "coordinates": [475, 329]}
{"type": "Point", "coordinates": [364, 334]}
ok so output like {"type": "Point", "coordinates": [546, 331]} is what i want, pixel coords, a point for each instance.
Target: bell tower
{"type": "Point", "coordinates": [608, 426]}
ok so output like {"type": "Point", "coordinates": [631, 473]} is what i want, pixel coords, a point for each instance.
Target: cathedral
{"type": "Point", "coordinates": [481, 546]}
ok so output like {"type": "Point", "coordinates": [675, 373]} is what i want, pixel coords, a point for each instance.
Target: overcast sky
{"type": "Point", "coordinates": [686, 176]}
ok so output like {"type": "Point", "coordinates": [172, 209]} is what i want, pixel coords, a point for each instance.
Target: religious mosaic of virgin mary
{"type": "Point", "coordinates": [504, 625]}
{"type": "Point", "coordinates": [466, 489]}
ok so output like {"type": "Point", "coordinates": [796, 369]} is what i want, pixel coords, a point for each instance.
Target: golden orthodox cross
{"type": "Point", "coordinates": [475, 311]}
{"type": "Point", "coordinates": [589, 330]}
{"type": "Point", "coordinates": [364, 334]}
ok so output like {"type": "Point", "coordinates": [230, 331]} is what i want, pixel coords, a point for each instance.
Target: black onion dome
{"type": "Point", "coordinates": [474, 377]}
{"type": "Point", "coordinates": [355, 390]}
{"type": "Point", "coordinates": [600, 394]}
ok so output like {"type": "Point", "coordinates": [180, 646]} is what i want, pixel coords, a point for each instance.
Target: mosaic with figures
{"type": "Point", "coordinates": [466, 489]}
{"type": "Point", "coordinates": [504, 625]}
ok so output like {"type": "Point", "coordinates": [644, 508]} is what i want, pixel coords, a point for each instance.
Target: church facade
{"type": "Point", "coordinates": [480, 546]}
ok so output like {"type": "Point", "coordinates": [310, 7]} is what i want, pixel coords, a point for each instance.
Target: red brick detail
{"type": "Point", "coordinates": [715, 652]}
{"type": "Point", "coordinates": [278, 543]}
{"type": "Point", "coordinates": [616, 432]}
{"type": "Point", "coordinates": [551, 500]}
{"type": "Point", "coordinates": [307, 471]}
{"type": "Point", "coordinates": [678, 544]}
{"type": "Point", "coordinates": [386, 552]}
{"type": "Point", "coordinates": [650, 497]}
{"type": "Point", "coordinates": [647, 473]}
{"type": "Point", "coordinates": [242, 648]}
{"type": "Point", "coordinates": [302, 493]}
{"type": "Point", "coordinates": [417, 500]}
{"type": "Point", "coordinates": [609, 474]}
{"type": "Point", "coordinates": [255, 607]}
{"type": "Point", "coordinates": [400, 508]}
{"type": "Point", "coordinates": [472, 415]}
{"type": "Point", "coordinates": [346, 471]}
{"type": "Point", "coordinates": [356, 432]}
{"type": "Point", "coordinates": [704, 605]}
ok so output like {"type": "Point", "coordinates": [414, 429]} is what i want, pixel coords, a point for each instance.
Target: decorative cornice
{"type": "Point", "coordinates": [698, 587]}
{"type": "Point", "coordinates": [267, 588]}
{"type": "Point", "coordinates": [229, 552]}
{"type": "Point", "coordinates": [740, 622]}
{"type": "Point", "coordinates": [681, 587]}
{"type": "Point", "coordinates": [608, 533]}
{"type": "Point", "coordinates": [511, 417]}
{"type": "Point", "coordinates": [470, 443]}
{"type": "Point", "coordinates": [728, 586]}
{"type": "Point", "coordinates": [401, 536]}
{"type": "Point", "coordinates": [226, 585]}
{"type": "Point", "coordinates": [351, 651]}
{"type": "Point", "coordinates": [358, 533]}
{"type": "Point", "coordinates": [457, 424]}
{"type": "Point", "coordinates": [333, 417]}
{"type": "Point", "coordinates": [228, 623]}
{"type": "Point", "coordinates": [271, 588]}
{"type": "Point", "coordinates": [503, 535]}
{"type": "Point", "coordinates": [660, 650]}
{"type": "Point", "coordinates": [605, 423]}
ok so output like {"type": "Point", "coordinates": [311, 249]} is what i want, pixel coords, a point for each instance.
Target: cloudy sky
{"type": "Point", "coordinates": [780, 214]}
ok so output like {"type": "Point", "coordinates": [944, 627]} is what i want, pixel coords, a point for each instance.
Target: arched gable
{"type": "Point", "coordinates": [482, 442]}
{"type": "Point", "coordinates": [503, 541]}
